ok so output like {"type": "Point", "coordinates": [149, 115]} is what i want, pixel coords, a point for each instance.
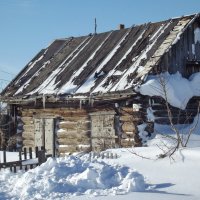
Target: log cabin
{"type": "Point", "coordinates": [78, 94]}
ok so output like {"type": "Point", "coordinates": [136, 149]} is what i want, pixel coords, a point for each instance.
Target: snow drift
{"type": "Point", "coordinates": [74, 176]}
{"type": "Point", "coordinates": [179, 90]}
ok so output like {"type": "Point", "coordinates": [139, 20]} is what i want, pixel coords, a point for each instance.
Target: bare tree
{"type": "Point", "coordinates": [179, 140]}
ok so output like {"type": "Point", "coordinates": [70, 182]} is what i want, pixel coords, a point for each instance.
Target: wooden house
{"type": "Point", "coordinates": [79, 93]}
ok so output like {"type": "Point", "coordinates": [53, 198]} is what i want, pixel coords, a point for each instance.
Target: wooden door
{"type": "Point", "coordinates": [44, 134]}
{"type": "Point", "coordinates": [49, 136]}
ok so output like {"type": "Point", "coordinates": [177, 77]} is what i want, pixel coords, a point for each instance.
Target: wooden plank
{"type": "Point", "coordinates": [49, 136]}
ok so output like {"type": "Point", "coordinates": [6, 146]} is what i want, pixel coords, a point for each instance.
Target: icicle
{"type": "Point", "coordinates": [92, 102]}
{"type": "Point", "coordinates": [80, 103]}
{"type": "Point", "coordinates": [44, 101]}
{"type": "Point", "coordinates": [116, 105]}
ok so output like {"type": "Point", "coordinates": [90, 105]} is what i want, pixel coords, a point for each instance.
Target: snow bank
{"type": "Point", "coordinates": [165, 135]}
{"type": "Point", "coordinates": [179, 90]}
{"type": "Point", "coordinates": [73, 176]}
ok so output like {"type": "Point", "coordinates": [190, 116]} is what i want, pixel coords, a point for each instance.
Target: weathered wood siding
{"type": "Point", "coordinates": [185, 50]}
{"type": "Point", "coordinates": [178, 116]}
{"type": "Point", "coordinates": [94, 128]}
{"type": "Point", "coordinates": [72, 131]}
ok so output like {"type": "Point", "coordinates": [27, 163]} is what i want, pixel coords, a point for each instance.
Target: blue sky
{"type": "Point", "coordinates": [27, 26]}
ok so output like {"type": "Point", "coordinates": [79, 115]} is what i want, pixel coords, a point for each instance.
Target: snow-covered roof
{"type": "Point", "coordinates": [103, 63]}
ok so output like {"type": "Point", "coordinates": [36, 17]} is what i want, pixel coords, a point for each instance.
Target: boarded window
{"type": "Point", "coordinates": [192, 67]}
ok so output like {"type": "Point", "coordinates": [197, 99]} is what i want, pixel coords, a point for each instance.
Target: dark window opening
{"type": "Point", "coordinates": [192, 67]}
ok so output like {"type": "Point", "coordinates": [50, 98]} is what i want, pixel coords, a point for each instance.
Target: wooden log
{"type": "Point", "coordinates": [29, 143]}
{"type": "Point", "coordinates": [67, 149]}
{"type": "Point", "coordinates": [127, 109]}
{"type": "Point", "coordinates": [76, 118]}
{"type": "Point", "coordinates": [73, 141]}
{"type": "Point", "coordinates": [180, 113]}
{"type": "Point", "coordinates": [26, 119]}
{"type": "Point", "coordinates": [69, 111]}
{"type": "Point", "coordinates": [28, 136]}
{"type": "Point", "coordinates": [126, 118]}
{"type": "Point", "coordinates": [75, 125]}
{"type": "Point", "coordinates": [73, 134]}
{"type": "Point", "coordinates": [127, 142]}
{"type": "Point", "coordinates": [165, 120]}
{"type": "Point", "coordinates": [72, 148]}
{"type": "Point", "coordinates": [128, 127]}
{"type": "Point", "coordinates": [28, 128]}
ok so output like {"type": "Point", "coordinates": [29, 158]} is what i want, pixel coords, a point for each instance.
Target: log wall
{"type": "Point", "coordinates": [72, 128]}
{"type": "Point", "coordinates": [178, 116]}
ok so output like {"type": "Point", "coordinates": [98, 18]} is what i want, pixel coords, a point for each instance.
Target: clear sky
{"type": "Point", "coordinates": [27, 26]}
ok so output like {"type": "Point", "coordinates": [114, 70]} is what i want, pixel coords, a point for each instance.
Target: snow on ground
{"type": "Point", "coordinates": [127, 177]}
{"type": "Point", "coordinates": [73, 175]}
{"type": "Point", "coordinates": [136, 173]}
{"type": "Point", "coordinates": [179, 89]}
{"type": "Point", "coordinates": [13, 156]}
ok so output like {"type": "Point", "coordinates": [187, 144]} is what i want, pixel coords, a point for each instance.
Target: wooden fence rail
{"type": "Point", "coordinates": [27, 160]}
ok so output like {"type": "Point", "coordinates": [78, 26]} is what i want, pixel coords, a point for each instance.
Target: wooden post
{"type": "Point", "coordinates": [30, 156]}
{"type": "Point", "coordinates": [43, 132]}
{"type": "Point", "coordinates": [36, 152]}
{"type": "Point", "coordinates": [42, 148]}
{"type": "Point", "coordinates": [41, 157]}
{"type": "Point", "coordinates": [4, 156]}
{"type": "Point", "coordinates": [30, 153]}
{"type": "Point", "coordinates": [111, 155]}
{"type": "Point", "coordinates": [20, 159]}
{"type": "Point", "coordinates": [15, 168]}
{"type": "Point", "coordinates": [54, 137]}
{"type": "Point", "coordinates": [25, 154]}
{"type": "Point", "coordinates": [102, 156]}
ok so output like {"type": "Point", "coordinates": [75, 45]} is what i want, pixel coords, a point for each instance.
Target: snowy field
{"type": "Point", "coordinates": [126, 177]}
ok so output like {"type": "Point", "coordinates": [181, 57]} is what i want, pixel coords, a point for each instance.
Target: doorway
{"type": "Point", "coordinates": [45, 134]}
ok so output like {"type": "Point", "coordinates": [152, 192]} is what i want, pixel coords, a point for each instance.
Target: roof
{"type": "Point", "coordinates": [97, 64]}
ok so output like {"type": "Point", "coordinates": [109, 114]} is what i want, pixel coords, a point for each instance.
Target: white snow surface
{"type": "Point", "coordinates": [79, 177]}
{"type": "Point", "coordinates": [72, 175]}
{"type": "Point", "coordinates": [179, 89]}
{"type": "Point", "coordinates": [136, 173]}
{"type": "Point", "coordinates": [129, 176]}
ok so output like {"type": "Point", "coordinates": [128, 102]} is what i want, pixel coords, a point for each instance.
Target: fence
{"type": "Point", "coordinates": [28, 159]}
{"type": "Point", "coordinates": [103, 155]}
